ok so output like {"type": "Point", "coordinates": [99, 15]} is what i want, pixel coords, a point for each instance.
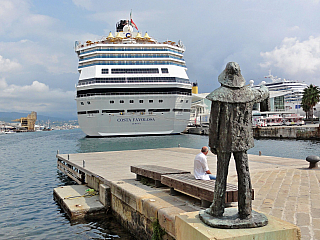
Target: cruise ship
{"type": "Point", "coordinates": [292, 90]}
{"type": "Point", "coordinates": [131, 84]}
{"type": "Point", "coordinates": [293, 87]}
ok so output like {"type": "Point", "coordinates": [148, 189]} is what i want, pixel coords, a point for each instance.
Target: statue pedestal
{"type": "Point", "coordinates": [189, 226]}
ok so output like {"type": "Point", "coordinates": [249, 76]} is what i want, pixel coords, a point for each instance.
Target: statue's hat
{"type": "Point", "coordinates": [231, 76]}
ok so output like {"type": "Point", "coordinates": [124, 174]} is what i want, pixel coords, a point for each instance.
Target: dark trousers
{"type": "Point", "coordinates": [244, 184]}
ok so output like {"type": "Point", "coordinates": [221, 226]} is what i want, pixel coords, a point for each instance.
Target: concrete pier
{"type": "Point", "coordinates": [309, 131]}
{"type": "Point", "coordinates": [284, 188]}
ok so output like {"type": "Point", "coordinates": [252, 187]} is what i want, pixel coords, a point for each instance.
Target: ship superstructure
{"type": "Point", "coordinates": [131, 84]}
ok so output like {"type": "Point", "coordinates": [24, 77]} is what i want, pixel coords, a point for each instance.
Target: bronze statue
{"type": "Point", "coordinates": [231, 132]}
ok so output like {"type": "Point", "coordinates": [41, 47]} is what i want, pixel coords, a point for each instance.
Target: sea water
{"type": "Point", "coordinates": [28, 175]}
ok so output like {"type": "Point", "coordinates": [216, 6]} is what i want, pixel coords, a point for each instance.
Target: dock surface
{"type": "Point", "coordinates": [284, 187]}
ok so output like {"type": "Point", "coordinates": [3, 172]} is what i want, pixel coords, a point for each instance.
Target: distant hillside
{"type": "Point", "coordinates": [9, 116]}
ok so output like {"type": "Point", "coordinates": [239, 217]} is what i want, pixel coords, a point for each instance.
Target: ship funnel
{"type": "Point", "coordinates": [195, 88]}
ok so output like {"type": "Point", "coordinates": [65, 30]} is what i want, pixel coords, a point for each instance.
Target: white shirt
{"type": "Point", "coordinates": [200, 167]}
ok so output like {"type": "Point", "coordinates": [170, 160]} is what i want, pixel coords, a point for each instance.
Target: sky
{"type": "Point", "coordinates": [38, 65]}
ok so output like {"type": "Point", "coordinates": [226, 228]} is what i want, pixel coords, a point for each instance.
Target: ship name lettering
{"type": "Point", "coordinates": [135, 119]}
{"type": "Point", "coordinates": [124, 120]}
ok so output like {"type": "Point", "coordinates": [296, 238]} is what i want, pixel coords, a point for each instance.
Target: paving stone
{"type": "Point", "coordinates": [305, 233]}
{"type": "Point", "coordinates": [277, 212]}
{"type": "Point", "coordinates": [289, 216]}
{"type": "Point", "coordinates": [303, 208]}
{"type": "Point", "coordinates": [315, 212]}
{"type": "Point", "coordinates": [303, 219]}
{"type": "Point", "coordinates": [316, 234]}
{"type": "Point", "coordinates": [316, 223]}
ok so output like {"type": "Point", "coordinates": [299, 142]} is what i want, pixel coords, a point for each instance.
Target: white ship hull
{"type": "Point", "coordinates": [111, 125]}
{"type": "Point", "coordinates": [135, 123]}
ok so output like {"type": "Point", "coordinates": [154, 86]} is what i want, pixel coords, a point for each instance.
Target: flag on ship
{"type": "Point", "coordinates": [131, 21]}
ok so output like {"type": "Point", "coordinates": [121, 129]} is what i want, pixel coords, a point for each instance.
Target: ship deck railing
{"type": "Point", "coordinates": [131, 93]}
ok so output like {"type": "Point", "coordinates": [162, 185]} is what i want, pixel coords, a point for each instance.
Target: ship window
{"type": "Point", "coordinates": [121, 101]}
{"type": "Point", "coordinates": [159, 110]}
{"type": "Point", "coordinates": [93, 111]}
{"type": "Point", "coordinates": [164, 70]}
{"type": "Point", "coordinates": [104, 71]}
{"type": "Point", "coordinates": [186, 110]}
{"type": "Point", "coordinates": [150, 101]}
{"type": "Point", "coordinates": [187, 101]}
{"type": "Point", "coordinates": [135, 110]}
{"type": "Point", "coordinates": [112, 111]}
{"type": "Point", "coordinates": [111, 101]}
{"type": "Point", "coordinates": [140, 101]}
{"type": "Point", "coordinates": [160, 101]}
{"type": "Point", "coordinates": [82, 103]}
{"type": "Point", "coordinates": [82, 112]}
{"type": "Point", "coordinates": [181, 100]}
{"type": "Point", "coordinates": [131, 101]}
{"type": "Point", "coordinates": [134, 70]}
{"type": "Point", "coordinates": [88, 102]}
{"type": "Point", "coordinates": [177, 110]}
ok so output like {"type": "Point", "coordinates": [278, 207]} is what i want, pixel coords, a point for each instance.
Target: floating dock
{"type": "Point", "coordinates": [284, 188]}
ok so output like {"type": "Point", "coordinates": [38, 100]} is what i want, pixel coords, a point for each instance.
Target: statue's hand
{"type": "Point", "coordinates": [214, 151]}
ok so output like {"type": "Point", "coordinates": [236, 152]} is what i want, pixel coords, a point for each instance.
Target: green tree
{"type": "Point", "coordinates": [311, 96]}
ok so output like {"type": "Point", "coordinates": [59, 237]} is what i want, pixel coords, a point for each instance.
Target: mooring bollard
{"type": "Point", "coordinates": [313, 160]}
{"type": "Point", "coordinates": [259, 153]}
{"type": "Point", "coordinates": [84, 163]}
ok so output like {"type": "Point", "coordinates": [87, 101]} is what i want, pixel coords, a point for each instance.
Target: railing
{"type": "Point", "coordinates": [132, 81]}
{"type": "Point", "coordinates": [132, 93]}
{"type": "Point", "coordinates": [130, 49]}
{"type": "Point", "coordinates": [130, 56]}
{"type": "Point", "coordinates": [132, 63]}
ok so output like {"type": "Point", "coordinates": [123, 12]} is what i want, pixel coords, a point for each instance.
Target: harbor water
{"type": "Point", "coordinates": [28, 174]}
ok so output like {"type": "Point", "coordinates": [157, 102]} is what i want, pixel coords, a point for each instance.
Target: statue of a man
{"type": "Point", "coordinates": [231, 132]}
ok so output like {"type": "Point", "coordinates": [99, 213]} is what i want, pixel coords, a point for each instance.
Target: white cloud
{"type": "Point", "coordinates": [294, 57]}
{"type": "Point", "coordinates": [35, 97]}
{"type": "Point", "coordinates": [32, 54]}
{"type": "Point", "coordinates": [10, 12]}
{"type": "Point", "coordinates": [3, 83]}
{"type": "Point", "coordinates": [6, 65]}
{"type": "Point", "coordinates": [86, 4]}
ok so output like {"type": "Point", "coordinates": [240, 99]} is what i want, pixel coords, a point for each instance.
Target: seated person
{"type": "Point", "coordinates": [201, 169]}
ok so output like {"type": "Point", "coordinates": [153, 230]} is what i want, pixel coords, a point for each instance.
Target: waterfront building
{"type": "Point", "coordinates": [27, 123]}
{"type": "Point", "coordinates": [201, 107]}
